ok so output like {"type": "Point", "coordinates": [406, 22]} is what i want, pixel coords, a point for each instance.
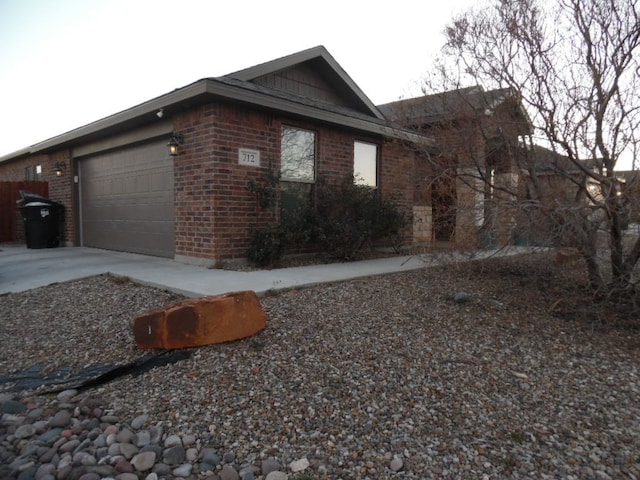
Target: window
{"type": "Point", "coordinates": [298, 155]}
{"type": "Point", "coordinates": [365, 164]}
{"type": "Point", "coordinates": [297, 172]}
{"type": "Point", "coordinates": [33, 173]}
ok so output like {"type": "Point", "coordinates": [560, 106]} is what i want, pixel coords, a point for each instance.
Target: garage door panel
{"type": "Point", "coordinates": [127, 200]}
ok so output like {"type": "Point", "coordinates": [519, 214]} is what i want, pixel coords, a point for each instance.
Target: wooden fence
{"type": "Point", "coordinates": [11, 229]}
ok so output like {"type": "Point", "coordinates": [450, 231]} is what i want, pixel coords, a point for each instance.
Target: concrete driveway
{"type": "Point", "coordinates": [23, 269]}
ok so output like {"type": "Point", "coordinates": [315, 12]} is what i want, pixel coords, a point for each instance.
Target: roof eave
{"type": "Point", "coordinates": [120, 119]}
{"type": "Point", "coordinates": [294, 108]}
{"type": "Point", "coordinates": [199, 92]}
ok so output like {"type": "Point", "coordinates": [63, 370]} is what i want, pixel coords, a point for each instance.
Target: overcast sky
{"type": "Point", "coordinates": [66, 63]}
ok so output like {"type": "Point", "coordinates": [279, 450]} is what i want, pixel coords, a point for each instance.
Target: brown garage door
{"type": "Point", "coordinates": [127, 200]}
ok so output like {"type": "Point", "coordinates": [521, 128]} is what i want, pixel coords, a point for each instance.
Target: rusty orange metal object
{"type": "Point", "coordinates": [200, 321]}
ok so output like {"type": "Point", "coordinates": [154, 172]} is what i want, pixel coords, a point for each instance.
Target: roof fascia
{"type": "Point", "coordinates": [211, 89]}
{"type": "Point", "coordinates": [179, 95]}
{"type": "Point", "coordinates": [288, 106]}
{"type": "Point", "coordinates": [18, 154]}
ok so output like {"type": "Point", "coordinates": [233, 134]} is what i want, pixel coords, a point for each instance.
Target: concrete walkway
{"type": "Point", "coordinates": [23, 269]}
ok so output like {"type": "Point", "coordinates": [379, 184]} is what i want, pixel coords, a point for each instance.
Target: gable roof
{"type": "Point", "coordinates": [546, 161]}
{"type": "Point", "coordinates": [250, 87]}
{"type": "Point", "coordinates": [322, 77]}
{"type": "Point", "coordinates": [453, 104]}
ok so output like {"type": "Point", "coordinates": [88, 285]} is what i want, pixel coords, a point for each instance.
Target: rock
{"type": "Point", "coordinates": [83, 445]}
{"type": "Point", "coordinates": [396, 464]}
{"type": "Point", "coordinates": [24, 431]}
{"type": "Point", "coordinates": [138, 422]}
{"type": "Point", "coordinates": [248, 472]}
{"type": "Point", "coordinates": [13, 407]}
{"type": "Point", "coordinates": [60, 419]}
{"type": "Point", "coordinates": [48, 455]}
{"type": "Point", "coordinates": [277, 476]}
{"type": "Point", "coordinates": [157, 449]}
{"type": "Point", "coordinates": [69, 446]}
{"type": "Point", "coordinates": [100, 441]}
{"type": "Point", "coordinates": [127, 476]}
{"type": "Point", "coordinates": [123, 466]}
{"type": "Point", "coordinates": [144, 461]}
{"type": "Point", "coordinates": [162, 469]}
{"type": "Point", "coordinates": [228, 473]}
{"type": "Point", "coordinates": [84, 458]}
{"type": "Point", "coordinates": [109, 419]}
{"type": "Point", "coordinates": [64, 471]}
{"type": "Point", "coordinates": [128, 450]}
{"type": "Point", "coordinates": [228, 457]}
{"type": "Point", "coordinates": [114, 449]}
{"type": "Point", "coordinates": [172, 441]}
{"type": "Point", "coordinates": [461, 297]}
{"type": "Point", "coordinates": [66, 395]}
{"type": "Point", "coordinates": [124, 436]}
{"type": "Point", "coordinates": [192, 455]}
{"type": "Point", "coordinates": [270, 465]}
{"type": "Point", "coordinates": [35, 413]}
{"type": "Point", "coordinates": [182, 471]}
{"type": "Point", "coordinates": [156, 434]}
{"type": "Point", "coordinates": [45, 469]}
{"type": "Point", "coordinates": [174, 455]}
{"type": "Point", "coordinates": [142, 438]}
{"type": "Point", "coordinates": [188, 440]}
{"type": "Point", "coordinates": [90, 476]}
{"type": "Point", "coordinates": [201, 321]}
{"type": "Point", "coordinates": [206, 467]}
{"type": "Point", "coordinates": [110, 430]}
{"type": "Point", "coordinates": [104, 471]}
{"type": "Point", "coordinates": [210, 456]}
{"type": "Point", "coordinates": [299, 465]}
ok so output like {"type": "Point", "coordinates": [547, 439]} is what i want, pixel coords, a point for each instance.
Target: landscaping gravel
{"type": "Point", "coordinates": [483, 370]}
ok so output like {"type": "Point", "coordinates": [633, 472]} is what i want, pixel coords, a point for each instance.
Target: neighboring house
{"type": "Point", "coordinates": [629, 181]}
{"type": "Point", "coordinates": [300, 115]}
{"type": "Point", "coordinates": [552, 190]}
{"type": "Point", "coordinates": [465, 186]}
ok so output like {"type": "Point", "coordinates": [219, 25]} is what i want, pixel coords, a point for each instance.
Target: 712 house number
{"type": "Point", "coordinates": [249, 157]}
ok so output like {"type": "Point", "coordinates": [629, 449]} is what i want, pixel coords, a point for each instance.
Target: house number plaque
{"type": "Point", "coordinates": [249, 157]}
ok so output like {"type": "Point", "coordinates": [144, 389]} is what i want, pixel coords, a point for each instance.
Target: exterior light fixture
{"type": "Point", "coordinates": [174, 144]}
{"type": "Point", "coordinates": [59, 168]}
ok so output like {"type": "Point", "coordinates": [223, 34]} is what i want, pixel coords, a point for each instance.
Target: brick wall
{"type": "Point", "coordinates": [60, 188]}
{"type": "Point", "coordinates": [397, 178]}
{"type": "Point", "coordinates": [215, 210]}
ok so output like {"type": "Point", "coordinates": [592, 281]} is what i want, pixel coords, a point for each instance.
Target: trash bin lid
{"type": "Point", "coordinates": [30, 196]}
{"type": "Point", "coordinates": [31, 199]}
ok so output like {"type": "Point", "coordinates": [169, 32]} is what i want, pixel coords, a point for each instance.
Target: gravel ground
{"type": "Point", "coordinates": [515, 380]}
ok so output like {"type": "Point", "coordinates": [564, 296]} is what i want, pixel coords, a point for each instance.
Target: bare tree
{"type": "Point", "coordinates": [573, 65]}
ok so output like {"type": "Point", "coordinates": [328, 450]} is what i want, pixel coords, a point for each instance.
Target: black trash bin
{"type": "Point", "coordinates": [42, 221]}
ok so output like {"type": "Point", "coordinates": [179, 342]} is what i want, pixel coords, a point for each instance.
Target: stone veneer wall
{"type": "Point", "coordinates": [422, 224]}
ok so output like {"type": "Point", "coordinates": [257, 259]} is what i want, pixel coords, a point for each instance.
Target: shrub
{"type": "Point", "coordinates": [346, 219]}
{"type": "Point", "coordinates": [351, 217]}
{"type": "Point", "coordinates": [266, 188]}
{"type": "Point", "coordinates": [267, 246]}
